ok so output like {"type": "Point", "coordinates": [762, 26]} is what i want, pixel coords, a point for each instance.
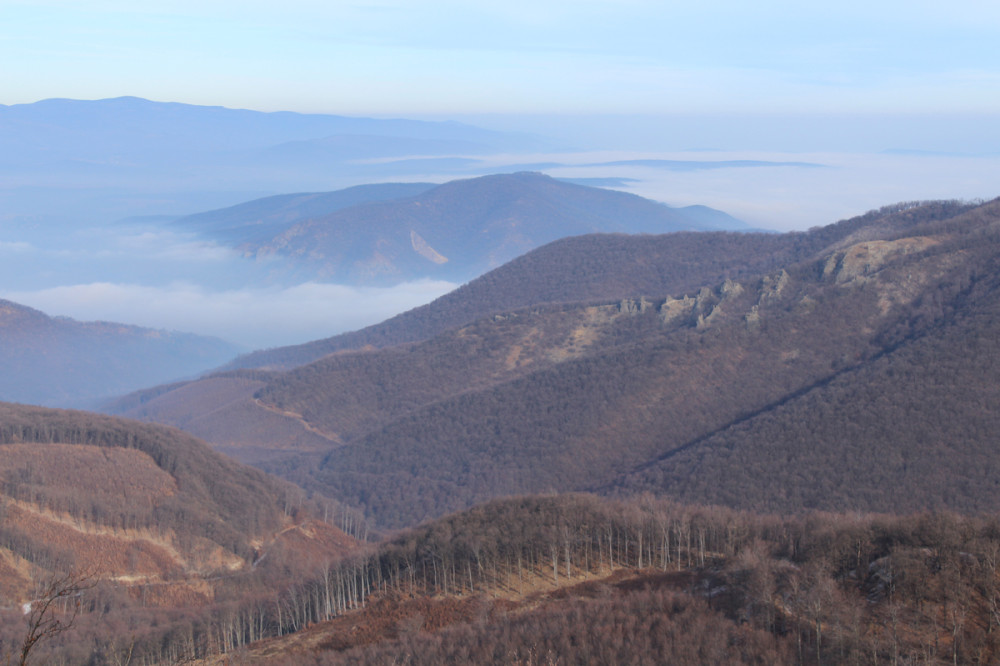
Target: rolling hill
{"type": "Point", "coordinates": [56, 361]}
{"type": "Point", "coordinates": [676, 402]}
{"type": "Point", "coordinates": [223, 410]}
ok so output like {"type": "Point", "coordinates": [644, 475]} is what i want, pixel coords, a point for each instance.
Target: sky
{"type": "Point", "coordinates": [512, 57]}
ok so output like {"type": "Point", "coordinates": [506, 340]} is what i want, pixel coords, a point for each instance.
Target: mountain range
{"type": "Point", "coordinates": [73, 162]}
{"type": "Point", "coordinates": [133, 133]}
{"type": "Point", "coordinates": [364, 235]}
{"type": "Point", "coordinates": [676, 386]}
{"type": "Point", "coordinates": [848, 368]}
{"type": "Point", "coordinates": [675, 440]}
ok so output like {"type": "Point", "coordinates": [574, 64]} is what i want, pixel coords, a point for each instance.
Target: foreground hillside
{"type": "Point", "coordinates": [574, 579]}
{"type": "Point", "coordinates": [62, 362]}
{"type": "Point", "coordinates": [159, 533]}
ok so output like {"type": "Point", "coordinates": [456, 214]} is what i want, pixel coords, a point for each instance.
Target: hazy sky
{"type": "Point", "coordinates": [524, 56]}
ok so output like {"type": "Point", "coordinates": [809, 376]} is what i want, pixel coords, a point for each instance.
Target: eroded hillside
{"type": "Point", "coordinates": [160, 531]}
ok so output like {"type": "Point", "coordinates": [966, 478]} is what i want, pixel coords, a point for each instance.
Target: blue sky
{"type": "Point", "coordinates": [516, 56]}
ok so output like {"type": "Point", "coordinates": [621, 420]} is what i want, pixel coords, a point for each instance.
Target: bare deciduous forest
{"type": "Point", "coordinates": [782, 452]}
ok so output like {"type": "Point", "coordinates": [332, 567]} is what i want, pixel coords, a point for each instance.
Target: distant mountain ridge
{"type": "Point", "coordinates": [57, 361]}
{"type": "Point", "coordinates": [84, 161]}
{"type": "Point", "coordinates": [385, 234]}
{"type": "Point", "coordinates": [259, 219]}
{"type": "Point", "coordinates": [109, 130]}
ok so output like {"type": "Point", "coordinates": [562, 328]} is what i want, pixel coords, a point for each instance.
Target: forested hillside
{"type": "Point", "coordinates": [154, 532]}
{"type": "Point", "coordinates": [909, 430]}
{"type": "Point", "coordinates": [587, 269]}
{"type": "Point", "coordinates": [571, 270]}
{"type": "Point", "coordinates": [580, 580]}
{"type": "Point", "coordinates": [677, 393]}
{"type": "Point", "coordinates": [603, 267]}
{"type": "Point", "coordinates": [734, 359]}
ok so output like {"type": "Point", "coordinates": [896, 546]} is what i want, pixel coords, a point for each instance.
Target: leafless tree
{"type": "Point", "coordinates": [55, 608]}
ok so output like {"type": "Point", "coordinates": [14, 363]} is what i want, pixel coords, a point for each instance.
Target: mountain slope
{"type": "Point", "coordinates": [692, 367]}
{"type": "Point", "coordinates": [62, 362]}
{"type": "Point", "coordinates": [597, 267]}
{"type": "Point", "coordinates": [919, 416]}
{"type": "Point", "coordinates": [117, 475]}
{"type": "Point", "coordinates": [223, 410]}
{"type": "Point", "coordinates": [583, 268]}
{"type": "Point", "coordinates": [518, 373]}
{"type": "Point", "coordinates": [611, 394]}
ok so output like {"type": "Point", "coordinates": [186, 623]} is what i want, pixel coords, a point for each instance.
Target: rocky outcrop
{"type": "Point", "coordinates": [632, 306]}
{"type": "Point", "coordinates": [858, 262]}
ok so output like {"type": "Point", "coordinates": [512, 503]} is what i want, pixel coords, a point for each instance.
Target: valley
{"type": "Point", "coordinates": [737, 447]}
{"type": "Point", "coordinates": [631, 433]}
{"type": "Point", "coordinates": [689, 394]}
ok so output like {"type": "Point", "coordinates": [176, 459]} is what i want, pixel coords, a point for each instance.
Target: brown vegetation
{"type": "Point", "coordinates": [860, 376]}
{"type": "Point", "coordinates": [668, 583]}
{"type": "Point", "coordinates": [178, 541]}
{"type": "Point", "coordinates": [639, 393]}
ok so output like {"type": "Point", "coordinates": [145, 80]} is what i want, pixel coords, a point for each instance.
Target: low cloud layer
{"type": "Point", "coordinates": [254, 318]}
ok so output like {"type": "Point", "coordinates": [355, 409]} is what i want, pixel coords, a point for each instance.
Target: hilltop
{"type": "Point", "coordinates": [390, 233]}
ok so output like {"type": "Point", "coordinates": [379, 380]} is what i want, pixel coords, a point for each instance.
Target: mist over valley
{"type": "Point", "coordinates": [499, 333]}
